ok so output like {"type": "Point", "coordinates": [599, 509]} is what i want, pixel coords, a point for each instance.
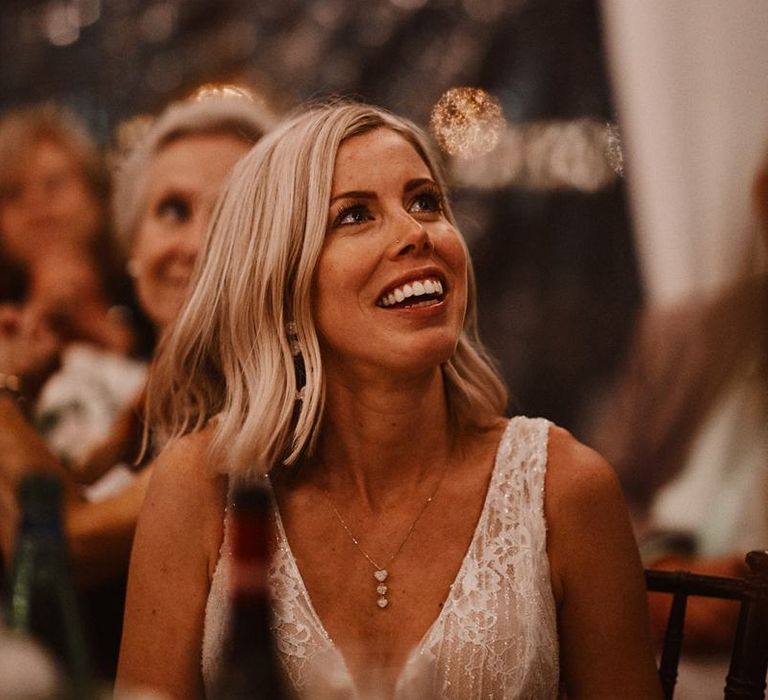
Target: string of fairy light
{"type": "Point", "coordinates": [468, 124]}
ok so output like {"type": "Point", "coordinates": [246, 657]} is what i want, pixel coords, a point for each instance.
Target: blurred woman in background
{"type": "Point", "coordinates": [164, 195]}
{"type": "Point", "coordinates": [54, 218]}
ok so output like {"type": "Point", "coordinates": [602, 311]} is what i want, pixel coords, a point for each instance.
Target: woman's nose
{"type": "Point", "coordinates": [412, 238]}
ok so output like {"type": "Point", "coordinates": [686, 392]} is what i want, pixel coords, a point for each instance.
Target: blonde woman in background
{"type": "Point", "coordinates": [164, 195]}
{"type": "Point", "coordinates": [427, 547]}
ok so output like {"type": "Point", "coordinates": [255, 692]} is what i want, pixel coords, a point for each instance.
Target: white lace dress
{"type": "Point", "coordinates": [496, 635]}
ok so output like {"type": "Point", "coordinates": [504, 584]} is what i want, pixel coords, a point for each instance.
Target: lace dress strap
{"type": "Point", "coordinates": [497, 634]}
{"type": "Point", "coordinates": [216, 611]}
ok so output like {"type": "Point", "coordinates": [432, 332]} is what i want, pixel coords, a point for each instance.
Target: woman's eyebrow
{"type": "Point", "coordinates": [414, 184]}
{"type": "Point", "coordinates": [364, 194]}
{"type": "Point", "coordinates": [354, 194]}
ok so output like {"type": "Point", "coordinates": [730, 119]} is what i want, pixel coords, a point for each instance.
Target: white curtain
{"type": "Point", "coordinates": [690, 78]}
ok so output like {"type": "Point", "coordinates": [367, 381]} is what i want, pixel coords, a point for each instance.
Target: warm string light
{"type": "Point", "coordinates": [581, 154]}
{"type": "Point", "coordinates": [219, 90]}
{"type": "Point", "coordinates": [62, 20]}
{"type": "Point", "coordinates": [613, 149]}
{"type": "Point", "coordinates": [467, 122]}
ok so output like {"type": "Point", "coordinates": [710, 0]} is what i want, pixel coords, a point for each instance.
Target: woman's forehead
{"type": "Point", "coordinates": [373, 157]}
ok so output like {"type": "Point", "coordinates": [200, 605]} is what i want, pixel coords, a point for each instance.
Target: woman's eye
{"type": "Point", "coordinates": [175, 210]}
{"type": "Point", "coordinates": [426, 202]}
{"type": "Point", "coordinates": [356, 214]}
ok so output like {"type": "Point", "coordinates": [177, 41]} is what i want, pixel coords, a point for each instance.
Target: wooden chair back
{"type": "Point", "coordinates": [746, 679]}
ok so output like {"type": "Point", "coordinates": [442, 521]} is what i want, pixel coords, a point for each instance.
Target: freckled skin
{"type": "Point", "coordinates": [397, 230]}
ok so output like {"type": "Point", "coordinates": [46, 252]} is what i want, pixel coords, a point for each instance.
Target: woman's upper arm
{"type": "Point", "coordinates": [597, 578]}
{"type": "Point", "coordinates": [178, 534]}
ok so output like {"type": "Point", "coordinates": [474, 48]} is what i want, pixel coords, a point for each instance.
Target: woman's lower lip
{"type": "Point", "coordinates": [426, 309]}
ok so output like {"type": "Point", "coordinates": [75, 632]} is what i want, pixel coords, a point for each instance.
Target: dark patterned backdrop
{"type": "Point", "coordinates": [544, 211]}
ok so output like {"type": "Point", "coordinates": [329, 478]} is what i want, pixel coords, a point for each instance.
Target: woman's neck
{"type": "Point", "coordinates": [379, 440]}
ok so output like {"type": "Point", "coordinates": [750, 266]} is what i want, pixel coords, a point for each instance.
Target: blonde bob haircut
{"type": "Point", "coordinates": [229, 356]}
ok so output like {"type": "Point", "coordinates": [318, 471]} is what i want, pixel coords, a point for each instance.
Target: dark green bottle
{"type": "Point", "coordinates": [250, 668]}
{"type": "Point", "coordinates": [41, 597]}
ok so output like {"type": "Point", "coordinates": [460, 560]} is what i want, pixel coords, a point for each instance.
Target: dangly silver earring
{"type": "Point", "coordinates": [298, 359]}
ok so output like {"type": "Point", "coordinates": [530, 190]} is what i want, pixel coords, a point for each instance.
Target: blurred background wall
{"type": "Point", "coordinates": [691, 80]}
{"type": "Point", "coordinates": [540, 194]}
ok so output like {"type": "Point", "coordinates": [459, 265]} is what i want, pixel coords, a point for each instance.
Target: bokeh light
{"type": "Point", "coordinates": [581, 154]}
{"type": "Point", "coordinates": [216, 90]}
{"type": "Point", "coordinates": [62, 23]}
{"type": "Point", "coordinates": [613, 149]}
{"type": "Point", "coordinates": [467, 122]}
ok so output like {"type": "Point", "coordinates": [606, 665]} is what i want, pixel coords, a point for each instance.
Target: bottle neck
{"type": "Point", "coordinates": [252, 538]}
{"type": "Point", "coordinates": [252, 545]}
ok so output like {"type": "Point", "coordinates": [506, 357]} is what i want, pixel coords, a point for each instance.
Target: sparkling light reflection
{"type": "Point", "coordinates": [613, 149]}
{"type": "Point", "coordinates": [467, 122]}
{"type": "Point", "coordinates": [581, 154]}
{"type": "Point", "coordinates": [217, 90]}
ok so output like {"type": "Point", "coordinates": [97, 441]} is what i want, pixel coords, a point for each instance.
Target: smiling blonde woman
{"type": "Point", "coordinates": [427, 546]}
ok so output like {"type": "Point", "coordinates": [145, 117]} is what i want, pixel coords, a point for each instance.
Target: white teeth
{"type": "Point", "coordinates": [412, 289]}
{"type": "Point", "coordinates": [425, 302]}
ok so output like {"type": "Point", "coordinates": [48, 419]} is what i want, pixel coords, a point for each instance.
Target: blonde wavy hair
{"type": "Point", "coordinates": [228, 355]}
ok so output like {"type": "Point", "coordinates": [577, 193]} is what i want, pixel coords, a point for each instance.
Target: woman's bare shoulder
{"type": "Point", "coordinates": [185, 492]}
{"type": "Point", "coordinates": [584, 508]}
{"type": "Point", "coordinates": [186, 461]}
{"type": "Point", "coordinates": [577, 474]}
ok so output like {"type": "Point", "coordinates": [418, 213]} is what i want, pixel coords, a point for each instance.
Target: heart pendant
{"type": "Point", "coordinates": [381, 575]}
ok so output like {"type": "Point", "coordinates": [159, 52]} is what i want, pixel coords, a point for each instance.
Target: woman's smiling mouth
{"type": "Point", "coordinates": [418, 292]}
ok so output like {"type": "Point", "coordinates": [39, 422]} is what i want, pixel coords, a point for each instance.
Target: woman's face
{"type": "Point", "coordinates": [184, 180]}
{"type": "Point", "coordinates": [48, 204]}
{"type": "Point", "coordinates": [391, 282]}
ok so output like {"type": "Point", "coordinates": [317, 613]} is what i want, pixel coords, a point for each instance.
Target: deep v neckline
{"type": "Point", "coordinates": [285, 545]}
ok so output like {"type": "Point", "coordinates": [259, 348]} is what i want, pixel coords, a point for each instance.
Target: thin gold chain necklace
{"type": "Point", "coordinates": [381, 573]}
